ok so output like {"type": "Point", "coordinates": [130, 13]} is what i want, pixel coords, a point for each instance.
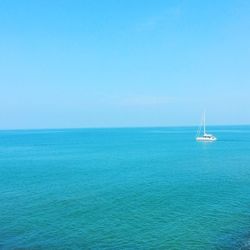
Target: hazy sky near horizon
{"type": "Point", "coordinates": [101, 63]}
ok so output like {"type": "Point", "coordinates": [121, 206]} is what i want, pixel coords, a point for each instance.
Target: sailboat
{"type": "Point", "coordinates": [205, 136]}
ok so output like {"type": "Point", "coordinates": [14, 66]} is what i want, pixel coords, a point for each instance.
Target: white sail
{"type": "Point", "coordinates": [204, 123]}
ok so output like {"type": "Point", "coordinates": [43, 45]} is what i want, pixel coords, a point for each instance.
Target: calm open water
{"type": "Point", "coordinates": [141, 188]}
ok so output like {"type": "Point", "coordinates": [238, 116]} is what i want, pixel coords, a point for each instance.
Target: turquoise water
{"type": "Point", "coordinates": [141, 188]}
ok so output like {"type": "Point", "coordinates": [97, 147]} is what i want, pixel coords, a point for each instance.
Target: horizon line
{"type": "Point", "coordinates": [121, 127]}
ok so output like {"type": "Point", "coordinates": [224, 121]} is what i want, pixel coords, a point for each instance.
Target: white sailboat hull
{"type": "Point", "coordinates": [206, 139]}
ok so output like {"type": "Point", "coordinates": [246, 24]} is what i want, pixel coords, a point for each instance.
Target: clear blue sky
{"type": "Point", "coordinates": [96, 63]}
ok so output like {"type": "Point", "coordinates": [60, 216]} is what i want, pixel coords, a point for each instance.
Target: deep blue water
{"type": "Point", "coordinates": [137, 188]}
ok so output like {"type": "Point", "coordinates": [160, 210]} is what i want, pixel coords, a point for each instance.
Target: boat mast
{"type": "Point", "coordinates": [204, 123]}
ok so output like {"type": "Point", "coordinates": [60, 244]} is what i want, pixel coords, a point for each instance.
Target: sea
{"type": "Point", "coordinates": [125, 188]}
